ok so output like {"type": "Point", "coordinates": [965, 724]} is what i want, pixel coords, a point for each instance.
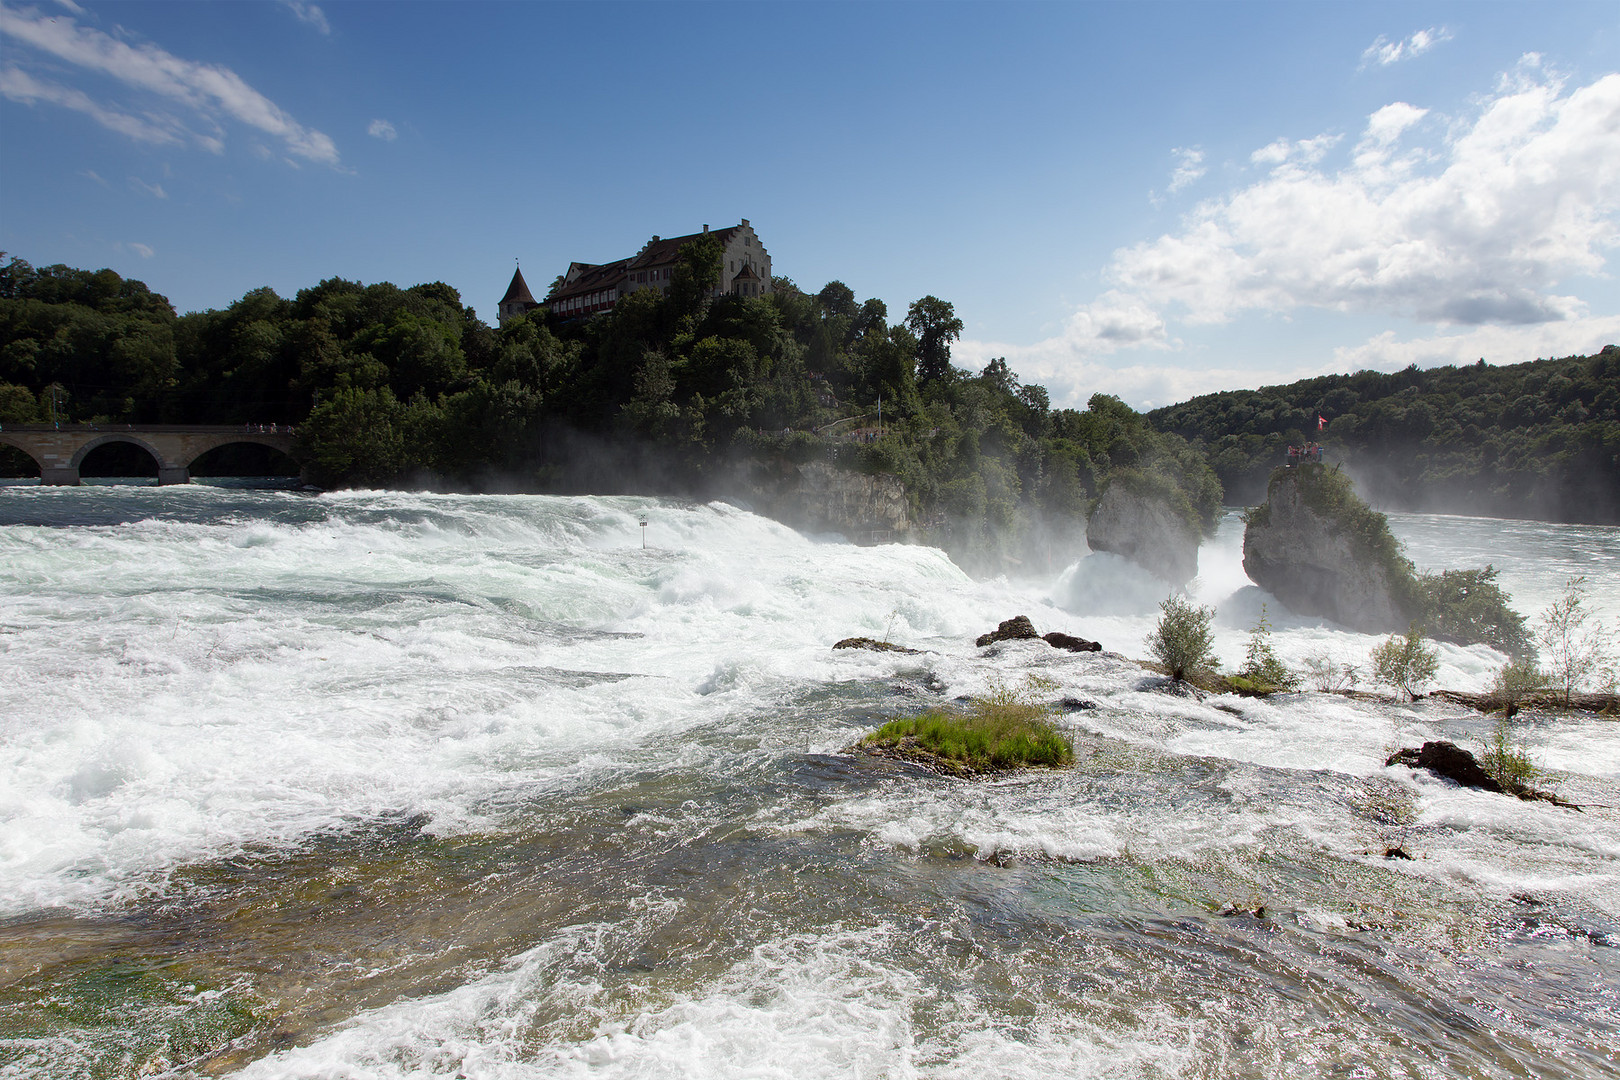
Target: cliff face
{"type": "Point", "coordinates": [1146, 529]}
{"type": "Point", "coordinates": [1317, 561]}
{"type": "Point", "coordinates": [819, 497]}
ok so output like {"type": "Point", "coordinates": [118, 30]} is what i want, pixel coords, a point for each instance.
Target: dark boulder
{"type": "Point", "coordinates": [1059, 640]}
{"type": "Point", "coordinates": [1448, 760]}
{"type": "Point", "coordinates": [1018, 628]}
{"type": "Point", "coordinates": [870, 643]}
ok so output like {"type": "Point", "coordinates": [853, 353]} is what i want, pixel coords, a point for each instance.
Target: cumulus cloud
{"type": "Point", "coordinates": [210, 91]}
{"type": "Point", "coordinates": [382, 129]}
{"type": "Point", "coordinates": [1470, 231]}
{"type": "Point", "coordinates": [1189, 168]}
{"type": "Point", "coordinates": [1524, 196]}
{"type": "Point", "coordinates": [309, 14]}
{"type": "Point", "coordinates": [1385, 52]}
{"type": "Point", "coordinates": [1494, 344]}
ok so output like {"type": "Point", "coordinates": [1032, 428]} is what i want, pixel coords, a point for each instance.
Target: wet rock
{"type": "Point", "coordinates": [1396, 853]}
{"type": "Point", "coordinates": [1074, 704]}
{"type": "Point", "coordinates": [1018, 628]}
{"type": "Point", "coordinates": [1323, 561]}
{"type": "Point", "coordinates": [1145, 528]}
{"type": "Point", "coordinates": [874, 645]}
{"type": "Point", "coordinates": [1448, 760]}
{"type": "Point", "coordinates": [1233, 910]}
{"type": "Point", "coordinates": [1059, 640]}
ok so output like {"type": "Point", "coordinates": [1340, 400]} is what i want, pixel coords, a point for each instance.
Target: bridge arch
{"type": "Point", "coordinates": [277, 447]}
{"type": "Point", "coordinates": [59, 450]}
{"type": "Point", "coordinates": [92, 445]}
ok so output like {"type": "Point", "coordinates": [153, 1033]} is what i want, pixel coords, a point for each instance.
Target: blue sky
{"type": "Point", "coordinates": [1153, 199]}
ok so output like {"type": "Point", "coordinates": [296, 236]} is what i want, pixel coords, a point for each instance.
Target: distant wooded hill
{"type": "Point", "coordinates": [1533, 440]}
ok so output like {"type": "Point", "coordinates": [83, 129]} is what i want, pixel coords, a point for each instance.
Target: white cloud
{"type": "Point", "coordinates": [1387, 124]}
{"type": "Point", "coordinates": [91, 174]}
{"type": "Point", "coordinates": [382, 129]}
{"type": "Point", "coordinates": [1470, 232]}
{"type": "Point", "coordinates": [308, 13]}
{"type": "Point", "coordinates": [1303, 152]}
{"type": "Point", "coordinates": [1189, 168]}
{"type": "Point", "coordinates": [1494, 344]}
{"type": "Point", "coordinates": [1526, 195]}
{"type": "Point", "coordinates": [1384, 52]}
{"type": "Point", "coordinates": [154, 190]}
{"type": "Point", "coordinates": [143, 250]}
{"type": "Point", "coordinates": [71, 6]}
{"type": "Point", "coordinates": [23, 88]}
{"type": "Point", "coordinates": [209, 90]}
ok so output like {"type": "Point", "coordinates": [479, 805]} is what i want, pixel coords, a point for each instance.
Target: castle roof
{"type": "Point", "coordinates": [518, 290]}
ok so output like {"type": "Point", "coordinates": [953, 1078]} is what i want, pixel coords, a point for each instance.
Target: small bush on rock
{"type": "Point", "coordinates": [1261, 666]}
{"type": "Point", "coordinates": [1183, 641]}
{"type": "Point", "coordinates": [1405, 663]}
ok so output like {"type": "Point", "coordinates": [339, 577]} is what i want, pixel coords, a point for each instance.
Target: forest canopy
{"type": "Point", "coordinates": [1535, 440]}
{"type": "Point", "coordinates": [667, 392]}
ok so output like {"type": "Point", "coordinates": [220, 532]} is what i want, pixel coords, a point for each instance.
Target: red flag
{"type": "Point", "coordinates": [1321, 421]}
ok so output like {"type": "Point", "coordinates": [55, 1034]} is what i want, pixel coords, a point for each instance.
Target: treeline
{"type": "Point", "coordinates": [678, 392]}
{"type": "Point", "coordinates": [1531, 440]}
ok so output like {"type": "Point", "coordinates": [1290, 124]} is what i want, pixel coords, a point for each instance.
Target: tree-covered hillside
{"type": "Point", "coordinates": [1536, 440]}
{"type": "Point", "coordinates": [676, 392]}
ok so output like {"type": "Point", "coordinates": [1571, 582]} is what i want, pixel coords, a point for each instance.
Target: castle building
{"type": "Point", "coordinates": [588, 288]}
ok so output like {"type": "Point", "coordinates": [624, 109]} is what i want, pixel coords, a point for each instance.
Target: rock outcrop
{"type": "Point", "coordinates": [818, 496]}
{"type": "Point", "coordinates": [1448, 760]}
{"type": "Point", "coordinates": [1146, 528]}
{"type": "Point", "coordinates": [1017, 628]}
{"type": "Point", "coordinates": [1320, 550]}
{"type": "Point", "coordinates": [873, 644]}
{"type": "Point", "coordinates": [1059, 640]}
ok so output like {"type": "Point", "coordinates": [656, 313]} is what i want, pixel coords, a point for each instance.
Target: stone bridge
{"type": "Point", "coordinates": [60, 450]}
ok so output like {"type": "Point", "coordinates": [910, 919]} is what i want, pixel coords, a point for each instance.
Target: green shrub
{"type": "Point", "coordinates": [1576, 653]}
{"type": "Point", "coordinates": [1262, 670]}
{"type": "Point", "coordinates": [1507, 760]}
{"type": "Point", "coordinates": [1183, 641]}
{"type": "Point", "coordinates": [1007, 728]}
{"type": "Point", "coordinates": [1405, 663]}
{"type": "Point", "coordinates": [1328, 675]}
{"type": "Point", "coordinates": [1515, 681]}
{"type": "Point", "coordinates": [1467, 606]}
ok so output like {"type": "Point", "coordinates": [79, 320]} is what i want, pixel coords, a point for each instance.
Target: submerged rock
{"type": "Point", "coordinates": [1059, 640]}
{"type": "Point", "coordinates": [874, 645]}
{"type": "Point", "coordinates": [1319, 549]}
{"type": "Point", "coordinates": [1017, 628]}
{"type": "Point", "coordinates": [1145, 527]}
{"type": "Point", "coordinates": [1448, 760]}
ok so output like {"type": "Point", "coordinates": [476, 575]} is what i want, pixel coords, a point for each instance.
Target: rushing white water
{"type": "Point", "coordinates": [592, 800]}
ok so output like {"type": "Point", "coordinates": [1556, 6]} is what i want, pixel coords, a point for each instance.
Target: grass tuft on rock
{"type": "Point", "coordinates": [1005, 729]}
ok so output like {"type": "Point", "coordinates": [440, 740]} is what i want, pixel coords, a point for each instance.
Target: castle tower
{"type": "Point", "coordinates": [518, 299]}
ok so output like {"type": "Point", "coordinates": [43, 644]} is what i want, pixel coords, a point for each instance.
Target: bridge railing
{"type": "Point", "coordinates": [177, 429]}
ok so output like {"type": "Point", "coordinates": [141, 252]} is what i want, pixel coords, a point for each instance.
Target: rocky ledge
{"type": "Point", "coordinates": [1145, 527]}
{"type": "Point", "coordinates": [1319, 549]}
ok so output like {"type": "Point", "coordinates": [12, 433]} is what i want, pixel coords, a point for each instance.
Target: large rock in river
{"type": "Point", "coordinates": [1319, 549]}
{"type": "Point", "coordinates": [1145, 527]}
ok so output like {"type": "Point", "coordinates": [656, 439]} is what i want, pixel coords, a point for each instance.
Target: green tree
{"type": "Point", "coordinates": [355, 436]}
{"type": "Point", "coordinates": [1183, 641]}
{"type": "Point", "coordinates": [1405, 663]}
{"type": "Point", "coordinates": [1261, 665]}
{"type": "Point", "coordinates": [1576, 652]}
{"type": "Point", "coordinates": [935, 323]}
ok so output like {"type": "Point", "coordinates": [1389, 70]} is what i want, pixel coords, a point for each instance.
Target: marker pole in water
{"type": "Point", "coordinates": [644, 536]}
